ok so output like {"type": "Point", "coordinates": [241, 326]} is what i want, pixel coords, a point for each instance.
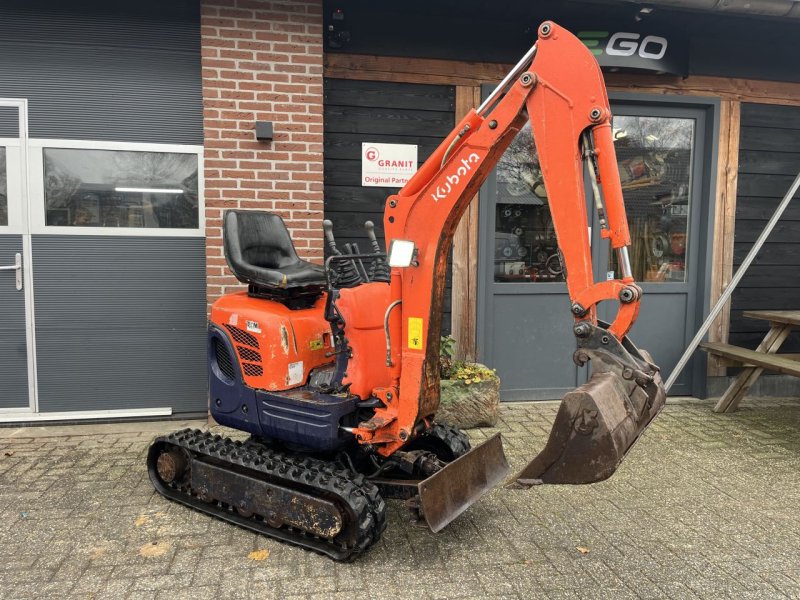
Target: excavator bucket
{"type": "Point", "coordinates": [596, 426]}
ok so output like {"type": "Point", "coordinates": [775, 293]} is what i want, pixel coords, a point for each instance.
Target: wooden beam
{"type": "Point", "coordinates": [411, 70]}
{"type": "Point", "coordinates": [451, 72]}
{"type": "Point", "coordinates": [465, 255]}
{"type": "Point", "coordinates": [764, 356]}
{"type": "Point", "coordinates": [724, 223]}
{"type": "Point", "coordinates": [742, 90]}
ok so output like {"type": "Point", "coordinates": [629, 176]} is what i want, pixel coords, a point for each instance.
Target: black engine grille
{"type": "Point", "coordinates": [242, 337]}
{"type": "Point", "coordinates": [248, 354]}
{"type": "Point", "coordinates": [252, 370]}
{"type": "Point", "coordinates": [223, 357]}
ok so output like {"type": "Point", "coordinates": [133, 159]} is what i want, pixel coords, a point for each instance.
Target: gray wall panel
{"type": "Point", "coordinates": [13, 348]}
{"type": "Point", "coordinates": [769, 158]}
{"type": "Point", "coordinates": [9, 121]}
{"type": "Point", "coordinates": [532, 338]}
{"type": "Point", "coordinates": [98, 72]}
{"type": "Point", "coordinates": [120, 322]}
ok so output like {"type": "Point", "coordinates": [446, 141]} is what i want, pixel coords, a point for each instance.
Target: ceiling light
{"type": "Point", "coordinates": [138, 190]}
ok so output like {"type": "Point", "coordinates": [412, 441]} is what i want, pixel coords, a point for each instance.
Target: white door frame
{"type": "Point", "coordinates": [19, 222]}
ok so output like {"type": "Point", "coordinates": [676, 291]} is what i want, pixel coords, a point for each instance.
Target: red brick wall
{"type": "Point", "coordinates": [262, 60]}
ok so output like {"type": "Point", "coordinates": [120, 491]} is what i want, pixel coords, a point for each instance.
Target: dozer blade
{"type": "Point", "coordinates": [596, 426]}
{"type": "Point", "coordinates": [449, 492]}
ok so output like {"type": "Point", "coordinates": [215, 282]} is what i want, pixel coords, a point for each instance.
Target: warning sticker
{"type": "Point", "coordinates": [296, 373]}
{"type": "Point", "coordinates": [315, 344]}
{"type": "Point", "coordinates": [415, 333]}
{"type": "Point", "coordinates": [253, 326]}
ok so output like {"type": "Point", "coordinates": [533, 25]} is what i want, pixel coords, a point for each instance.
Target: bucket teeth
{"type": "Point", "coordinates": [596, 426]}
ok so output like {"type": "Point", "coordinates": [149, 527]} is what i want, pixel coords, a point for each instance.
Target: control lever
{"type": "Point", "coordinates": [345, 273]}
{"type": "Point", "coordinates": [378, 270]}
{"type": "Point", "coordinates": [353, 249]}
{"type": "Point", "coordinates": [327, 227]}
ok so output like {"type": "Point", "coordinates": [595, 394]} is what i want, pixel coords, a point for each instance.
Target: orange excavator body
{"type": "Point", "coordinates": [335, 371]}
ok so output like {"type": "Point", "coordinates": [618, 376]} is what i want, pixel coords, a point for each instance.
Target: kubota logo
{"type": "Point", "coordinates": [623, 43]}
{"type": "Point", "coordinates": [442, 191]}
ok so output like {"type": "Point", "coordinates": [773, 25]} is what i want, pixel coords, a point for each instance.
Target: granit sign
{"type": "Point", "coordinates": [387, 165]}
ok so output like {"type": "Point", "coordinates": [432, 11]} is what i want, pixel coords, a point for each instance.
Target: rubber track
{"type": "Point", "coordinates": [366, 508]}
{"type": "Point", "coordinates": [454, 438]}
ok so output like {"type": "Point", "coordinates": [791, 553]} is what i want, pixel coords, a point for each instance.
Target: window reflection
{"type": "Point", "coordinates": [654, 155]}
{"type": "Point", "coordinates": [112, 188]}
{"type": "Point", "coordinates": [525, 247]}
{"type": "Point", "coordinates": [3, 188]}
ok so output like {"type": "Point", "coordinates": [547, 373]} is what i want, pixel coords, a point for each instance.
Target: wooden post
{"type": "Point", "coordinates": [724, 223]}
{"type": "Point", "coordinates": [465, 255]}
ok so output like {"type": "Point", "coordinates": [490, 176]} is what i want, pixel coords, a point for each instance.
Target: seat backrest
{"type": "Point", "coordinates": [257, 238]}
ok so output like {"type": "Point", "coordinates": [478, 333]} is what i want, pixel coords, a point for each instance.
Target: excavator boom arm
{"type": "Point", "coordinates": [559, 87]}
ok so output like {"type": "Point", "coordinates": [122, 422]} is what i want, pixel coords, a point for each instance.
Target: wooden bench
{"type": "Point", "coordinates": [755, 362]}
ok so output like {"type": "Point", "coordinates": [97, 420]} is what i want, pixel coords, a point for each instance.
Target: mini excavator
{"type": "Point", "coordinates": [334, 370]}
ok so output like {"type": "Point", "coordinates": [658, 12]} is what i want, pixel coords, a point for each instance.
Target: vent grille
{"type": "Point", "coordinates": [241, 336]}
{"type": "Point", "coordinates": [223, 358]}
{"type": "Point", "coordinates": [248, 354]}
{"type": "Point", "coordinates": [252, 370]}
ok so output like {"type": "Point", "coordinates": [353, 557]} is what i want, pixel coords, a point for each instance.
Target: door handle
{"type": "Point", "coordinates": [17, 266]}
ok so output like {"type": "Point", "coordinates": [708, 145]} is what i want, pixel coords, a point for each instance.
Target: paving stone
{"type": "Point", "coordinates": [705, 506]}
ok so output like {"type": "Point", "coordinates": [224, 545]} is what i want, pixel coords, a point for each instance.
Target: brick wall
{"type": "Point", "coordinates": [262, 60]}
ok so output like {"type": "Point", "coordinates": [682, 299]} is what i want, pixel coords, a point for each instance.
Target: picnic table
{"type": "Point", "coordinates": [756, 361]}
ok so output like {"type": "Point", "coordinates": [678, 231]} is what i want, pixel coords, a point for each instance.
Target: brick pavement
{"type": "Point", "coordinates": [705, 506]}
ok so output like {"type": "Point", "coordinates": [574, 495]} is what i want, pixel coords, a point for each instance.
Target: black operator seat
{"type": "Point", "coordinates": [260, 253]}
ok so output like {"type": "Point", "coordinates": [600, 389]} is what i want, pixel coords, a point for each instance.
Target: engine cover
{"type": "Point", "coordinates": [276, 347]}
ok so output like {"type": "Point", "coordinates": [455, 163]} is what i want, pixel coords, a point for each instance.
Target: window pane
{"type": "Point", "coordinates": [113, 188]}
{"type": "Point", "coordinates": [654, 155]}
{"type": "Point", "coordinates": [525, 247]}
{"type": "Point", "coordinates": [3, 188]}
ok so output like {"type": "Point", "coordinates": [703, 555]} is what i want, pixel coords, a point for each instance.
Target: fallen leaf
{"type": "Point", "coordinates": [258, 554]}
{"type": "Point", "coordinates": [582, 549]}
{"type": "Point", "coordinates": [141, 520]}
{"type": "Point", "coordinates": [10, 453]}
{"type": "Point", "coordinates": [154, 549]}
{"type": "Point", "coordinates": [98, 552]}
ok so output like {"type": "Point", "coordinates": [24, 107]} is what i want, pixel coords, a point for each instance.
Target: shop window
{"type": "Point", "coordinates": [120, 188]}
{"type": "Point", "coordinates": [525, 246]}
{"type": "Point", "coordinates": [654, 155]}
{"type": "Point", "coordinates": [3, 188]}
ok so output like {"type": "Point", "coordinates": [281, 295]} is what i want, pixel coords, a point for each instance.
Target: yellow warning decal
{"type": "Point", "coordinates": [315, 344]}
{"type": "Point", "coordinates": [415, 333]}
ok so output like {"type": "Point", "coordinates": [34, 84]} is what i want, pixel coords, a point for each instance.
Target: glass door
{"type": "Point", "coordinates": [16, 329]}
{"type": "Point", "coordinates": [524, 323]}
{"type": "Point", "coordinates": [660, 159]}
